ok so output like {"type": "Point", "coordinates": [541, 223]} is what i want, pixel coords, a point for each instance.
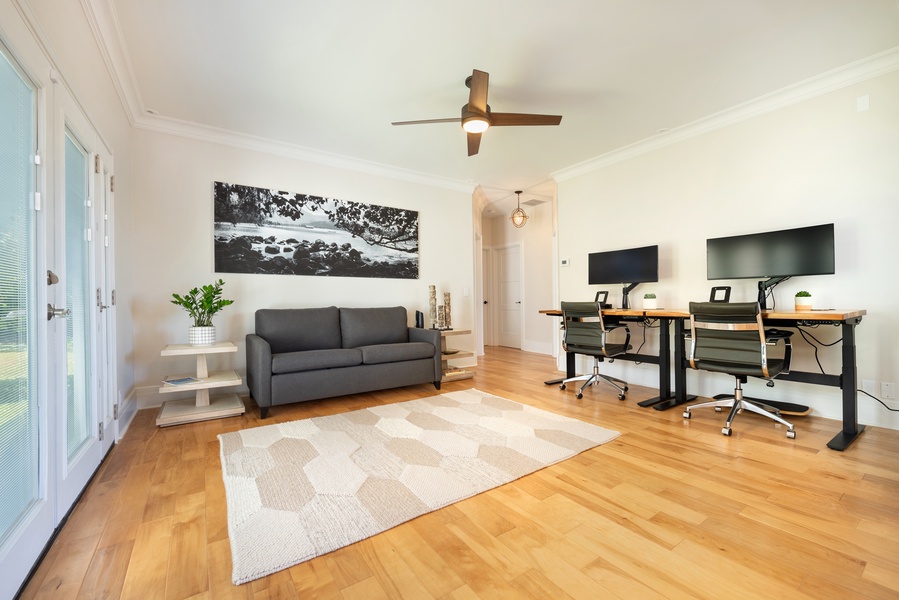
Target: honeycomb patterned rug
{"type": "Point", "coordinates": [302, 489]}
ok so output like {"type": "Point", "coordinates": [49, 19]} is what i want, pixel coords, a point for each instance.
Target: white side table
{"type": "Point", "coordinates": [202, 407]}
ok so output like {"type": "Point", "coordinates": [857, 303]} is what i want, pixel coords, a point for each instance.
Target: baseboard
{"type": "Point", "coordinates": [127, 411]}
{"type": "Point", "coordinates": [538, 347]}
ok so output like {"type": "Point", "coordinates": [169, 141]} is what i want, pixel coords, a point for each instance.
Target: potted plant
{"type": "Point", "coordinates": [202, 304]}
{"type": "Point", "coordinates": [803, 300]}
{"type": "Point", "coordinates": [649, 301]}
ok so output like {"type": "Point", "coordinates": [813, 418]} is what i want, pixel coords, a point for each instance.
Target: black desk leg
{"type": "Point", "coordinates": [851, 428]}
{"type": "Point", "coordinates": [570, 371]}
{"type": "Point", "coordinates": [664, 365]}
{"type": "Point", "coordinates": [680, 371]}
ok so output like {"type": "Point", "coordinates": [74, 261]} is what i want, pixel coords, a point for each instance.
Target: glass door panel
{"type": "Point", "coordinates": [79, 430]}
{"type": "Point", "coordinates": [19, 450]}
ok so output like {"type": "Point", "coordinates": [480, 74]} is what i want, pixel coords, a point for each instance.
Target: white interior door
{"type": "Point", "coordinates": [508, 271]}
{"type": "Point", "coordinates": [488, 297]}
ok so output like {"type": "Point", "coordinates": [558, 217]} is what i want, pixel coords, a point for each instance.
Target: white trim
{"type": "Point", "coordinates": [861, 70]}
{"type": "Point", "coordinates": [225, 137]}
{"type": "Point", "coordinates": [104, 24]}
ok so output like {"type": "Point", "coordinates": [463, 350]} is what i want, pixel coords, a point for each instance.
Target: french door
{"type": "Point", "coordinates": [56, 370]}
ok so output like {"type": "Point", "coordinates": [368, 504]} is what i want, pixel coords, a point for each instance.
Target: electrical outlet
{"type": "Point", "coordinates": [870, 386]}
{"type": "Point", "coordinates": [888, 391]}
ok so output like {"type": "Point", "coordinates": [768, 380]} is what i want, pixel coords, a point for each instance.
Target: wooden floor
{"type": "Point", "coordinates": [670, 509]}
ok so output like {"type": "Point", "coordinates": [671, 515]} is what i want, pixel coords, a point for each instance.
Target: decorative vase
{"type": "Point", "coordinates": [803, 303]}
{"type": "Point", "coordinates": [201, 336]}
{"type": "Point", "coordinates": [650, 303]}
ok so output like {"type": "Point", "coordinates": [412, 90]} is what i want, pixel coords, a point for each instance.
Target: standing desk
{"type": "Point", "coordinates": [847, 380]}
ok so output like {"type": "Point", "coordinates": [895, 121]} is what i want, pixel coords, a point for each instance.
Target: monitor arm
{"type": "Point", "coordinates": [766, 285]}
{"type": "Point", "coordinates": [624, 292]}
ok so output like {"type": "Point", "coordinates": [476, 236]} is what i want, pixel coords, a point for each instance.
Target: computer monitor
{"type": "Point", "coordinates": [772, 255]}
{"type": "Point", "coordinates": [629, 266]}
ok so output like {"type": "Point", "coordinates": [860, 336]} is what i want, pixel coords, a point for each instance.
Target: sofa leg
{"type": "Point", "coordinates": [263, 412]}
{"type": "Point", "coordinates": [437, 384]}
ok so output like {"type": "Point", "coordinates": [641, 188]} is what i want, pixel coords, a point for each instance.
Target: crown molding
{"type": "Point", "coordinates": [104, 24]}
{"type": "Point", "coordinates": [205, 133]}
{"type": "Point", "coordinates": [856, 72]}
{"type": "Point", "coordinates": [108, 34]}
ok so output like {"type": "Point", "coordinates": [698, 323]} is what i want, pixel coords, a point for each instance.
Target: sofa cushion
{"type": "Point", "coordinates": [311, 360]}
{"type": "Point", "coordinates": [386, 353]}
{"type": "Point", "coordinates": [294, 329]}
{"type": "Point", "coordinates": [370, 326]}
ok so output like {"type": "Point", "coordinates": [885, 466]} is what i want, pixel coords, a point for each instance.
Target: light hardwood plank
{"type": "Point", "coordinates": [670, 509]}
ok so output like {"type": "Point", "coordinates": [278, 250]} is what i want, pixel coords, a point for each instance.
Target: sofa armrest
{"type": "Point", "coordinates": [433, 336]}
{"type": "Point", "coordinates": [259, 370]}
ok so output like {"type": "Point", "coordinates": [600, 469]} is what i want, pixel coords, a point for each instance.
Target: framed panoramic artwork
{"type": "Point", "coordinates": [259, 230]}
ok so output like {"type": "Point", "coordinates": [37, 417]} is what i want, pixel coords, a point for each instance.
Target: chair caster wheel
{"type": "Point", "coordinates": [727, 431]}
{"type": "Point", "coordinates": [579, 395]}
{"type": "Point", "coordinates": [686, 414]}
{"type": "Point", "coordinates": [625, 389]}
{"type": "Point", "coordinates": [621, 396]}
{"type": "Point", "coordinates": [562, 387]}
{"type": "Point", "coordinates": [791, 434]}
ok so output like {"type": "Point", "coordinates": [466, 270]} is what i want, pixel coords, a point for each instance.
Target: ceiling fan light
{"type": "Point", "coordinates": [475, 124]}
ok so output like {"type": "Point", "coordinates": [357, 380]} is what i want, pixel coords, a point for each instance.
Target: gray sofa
{"type": "Point", "coordinates": [300, 354]}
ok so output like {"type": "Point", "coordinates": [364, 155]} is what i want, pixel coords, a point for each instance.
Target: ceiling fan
{"type": "Point", "coordinates": [477, 117]}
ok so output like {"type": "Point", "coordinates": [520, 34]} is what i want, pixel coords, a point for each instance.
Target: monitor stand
{"type": "Point", "coordinates": [766, 285]}
{"type": "Point", "coordinates": [624, 292]}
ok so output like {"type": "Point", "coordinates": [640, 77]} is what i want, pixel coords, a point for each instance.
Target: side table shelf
{"type": "Point", "coordinates": [451, 373]}
{"type": "Point", "coordinates": [202, 407]}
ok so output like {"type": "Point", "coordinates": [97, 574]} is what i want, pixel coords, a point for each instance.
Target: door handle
{"type": "Point", "coordinates": [52, 311]}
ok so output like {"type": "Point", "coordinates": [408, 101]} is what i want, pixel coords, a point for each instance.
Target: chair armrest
{"type": "Point", "coordinates": [259, 370]}
{"type": "Point", "coordinates": [773, 336]}
{"type": "Point", "coordinates": [417, 334]}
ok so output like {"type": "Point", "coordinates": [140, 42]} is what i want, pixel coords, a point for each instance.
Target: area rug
{"type": "Point", "coordinates": [302, 489]}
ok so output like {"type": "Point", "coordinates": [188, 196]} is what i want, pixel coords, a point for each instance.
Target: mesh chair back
{"type": "Point", "coordinates": [728, 338]}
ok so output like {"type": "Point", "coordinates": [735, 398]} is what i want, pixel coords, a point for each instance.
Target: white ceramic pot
{"type": "Point", "coordinates": [201, 336]}
{"type": "Point", "coordinates": [803, 303]}
{"type": "Point", "coordinates": [650, 303]}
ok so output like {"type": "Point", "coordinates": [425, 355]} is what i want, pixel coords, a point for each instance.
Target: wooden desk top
{"type": "Point", "coordinates": [682, 313]}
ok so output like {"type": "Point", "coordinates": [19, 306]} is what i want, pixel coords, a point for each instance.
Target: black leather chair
{"type": "Point", "coordinates": [585, 332]}
{"type": "Point", "coordinates": [729, 338]}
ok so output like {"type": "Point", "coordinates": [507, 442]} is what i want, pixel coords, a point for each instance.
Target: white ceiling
{"type": "Point", "coordinates": [331, 75]}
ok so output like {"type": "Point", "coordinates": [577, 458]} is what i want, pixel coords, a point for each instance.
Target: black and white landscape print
{"type": "Point", "coordinates": [258, 230]}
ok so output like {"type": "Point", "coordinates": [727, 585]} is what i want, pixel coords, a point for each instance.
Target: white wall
{"type": "Point", "coordinates": [818, 161]}
{"type": "Point", "coordinates": [173, 249]}
{"type": "Point", "coordinates": [537, 255]}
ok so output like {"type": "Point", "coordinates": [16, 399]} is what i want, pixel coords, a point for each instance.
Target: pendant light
{"type": "Point", "coordinates": [519, 217]}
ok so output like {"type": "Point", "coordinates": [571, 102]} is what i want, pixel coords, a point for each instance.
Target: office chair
{"type": "Point", "coordinates": [729, 338]}
{"type": "Point", "coordinates": [585, 332]}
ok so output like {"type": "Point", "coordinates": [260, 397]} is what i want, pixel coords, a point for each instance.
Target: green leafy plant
{"type": "Point", "coordinates": [203, 303]}
{"type": "Point", "coordinates": [803, 294]}
{"type": "Point", "coordinates": [649, 296]}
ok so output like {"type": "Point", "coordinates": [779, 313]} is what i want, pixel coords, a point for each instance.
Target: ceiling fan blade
{"type": "Point", "coordinates": [501, 119]}
{"type": "Point", "coordinates": [477, 98]}
{"type": "Point", "coordinates": [474, 142]}
{"type": "Point", "coordinates": [424, 121]}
